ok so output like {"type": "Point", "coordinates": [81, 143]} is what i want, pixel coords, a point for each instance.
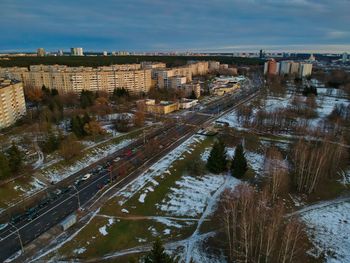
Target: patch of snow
{"type": "Point", "coordinates": [345, 177]}
{"type": "Point", "coordinates": [153, 231]}
{"type": "Point", "coordinates": [110, 221]}
{"type": "Point", "coordinates": [36, 185]}
{"type": "Point", "coordinates": [141, 240]}
{"type": "Point", "coordinates": [79, 251]}
{"type": "Point", "coordinates": [255, 161]}
{"type": "Point", "coordinates": [166, 231]}
{"type": "Point", "coordinates": [103, 230]}
{"type": "Point", "coordinates": [168, 222]}
{"type": "Point", "coordinates": [329, 229]}
{"type": "Point", "coordinates": [156, 171]}
{"type": "Point", "coordinates": [142, 198]}
{"type": "Point", "coordinates": [191, 195]}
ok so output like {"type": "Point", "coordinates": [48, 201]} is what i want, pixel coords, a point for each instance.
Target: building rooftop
{"type": "Point", "coordinates": [7, 82]}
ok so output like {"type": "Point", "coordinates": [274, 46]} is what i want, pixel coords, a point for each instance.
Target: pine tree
{"type": "Point", "coordinates": [239, 163]}
{"type": "Point", "coordinates": [217, 162]}
{"type": "Point", "coordinates": [4, 167]}
{"type": "Point", "coordinates": [51, 143]}
{"type": "Point", "coordinates": [76, 126]}
{"type": "Point", "coordinates": [15, 157]}
{"type": "Point", "coordinates": [158, 254]}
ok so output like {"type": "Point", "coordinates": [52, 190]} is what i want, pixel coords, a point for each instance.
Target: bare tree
{"type": "Point", "coordinates": [276, 170]}
{"type": "Point", "coordinates": [256, 230]}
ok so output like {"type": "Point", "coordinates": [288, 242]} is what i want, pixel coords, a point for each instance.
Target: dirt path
{"type": "Point", "coordinates": [320, 205]}
{"type": "Point", "coordinates": [151, 218]}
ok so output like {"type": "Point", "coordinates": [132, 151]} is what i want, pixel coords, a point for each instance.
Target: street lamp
{"type": "Point", "coordinates": [77, 196]}
{"type": "Point", "coordinates": [110, 168]}
{"type": "Point", "coordinates": [19, 236]}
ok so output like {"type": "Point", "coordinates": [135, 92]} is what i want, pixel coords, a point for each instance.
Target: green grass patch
{"type": "Point", "coordinates": [122, 234]}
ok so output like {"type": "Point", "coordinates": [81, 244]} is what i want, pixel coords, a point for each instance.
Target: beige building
{"type": "Point", "coordinates": [152, 65]}
{"type": "Point", "coordinates": [214, 65]}
{"type": "Point", "coordinates": [40, 52]}
{"type": "Point", "coordinates": [75, 79]}
{"type": "Point", "coordinates": [76, 51]}
{"type": "Point", "coordinates": [12, 103]}
{"type": "Point", "coordinates": [164, 107]}
{"type": "Point", "coordinates": [305, 70]}
{"type": "Point", "coordinates": [192, 87]}
{"type": "Point", "coordinates": [187, 103]}
{"type": "Point", "coordinates": [188, 71]}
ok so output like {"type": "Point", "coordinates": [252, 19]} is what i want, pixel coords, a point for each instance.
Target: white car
{"type": "Point", "coordinates": [86, 176]}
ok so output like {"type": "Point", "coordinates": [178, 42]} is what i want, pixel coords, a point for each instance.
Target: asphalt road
{"type": "Point", "coordinates": [30, 226]}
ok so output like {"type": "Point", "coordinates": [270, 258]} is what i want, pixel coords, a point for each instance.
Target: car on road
{"type": "Point", "coordinates": [85, 177]}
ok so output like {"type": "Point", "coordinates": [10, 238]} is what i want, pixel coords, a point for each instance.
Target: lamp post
{"type": "Point", "coordinates": [110, 170]}
{"type": "Point", "coordinates": [77, 196]}
{"type": "Point", "coordinates": [19, 236]}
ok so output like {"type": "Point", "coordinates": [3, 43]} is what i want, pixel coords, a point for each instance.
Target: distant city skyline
{"type": "Point", "coordinates": [162, 26]}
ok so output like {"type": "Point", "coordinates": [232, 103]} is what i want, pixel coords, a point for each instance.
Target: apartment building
{"type": "Point", "coordinates": [305, 70]}
{"type": "Point", "coordinates": [40, 52]}
{"type": "Point", "coordinates": [302, 69]}
{"type": "Point", "coordinates": [76, 51]}
{"type": "Point", "coordinates": [188, 71]}
{"type": "Point", "coordinates": [152, 65]}
{"type": "Point", "coordinates": [75, 79]}
{"type": "Point", "coordinates": [270, 67]}
{"type": "Point", "coordinates": [12, 103]}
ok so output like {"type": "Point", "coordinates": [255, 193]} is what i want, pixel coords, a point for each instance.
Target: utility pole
{"type": "Point", "coordinates": [77, 196]}
{"type": "Point", "coordinates": [19, 237]}
{"type": "Point", "coordinates": [110, 168]}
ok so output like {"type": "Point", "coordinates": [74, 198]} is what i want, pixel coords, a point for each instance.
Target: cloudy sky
{"type": "Point", "coordinates": [175, 25]}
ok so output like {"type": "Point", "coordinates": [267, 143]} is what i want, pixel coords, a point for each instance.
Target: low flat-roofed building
{"type": "Point", "coordinates": [12, 103]}
{"type": "Point", "coordinates": [223, 85]}
{"type": "Point", "coordinates": [187, 103]}
{"type": "Point", "coordinates": [163, 107]}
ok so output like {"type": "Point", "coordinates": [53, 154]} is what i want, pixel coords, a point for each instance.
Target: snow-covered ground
{"type": "Point", "coordinates": [157, 170]}
{"type": "Point", "coordinates": [329, 229]}
{"type": "Point", "coordinates": [190, 195]}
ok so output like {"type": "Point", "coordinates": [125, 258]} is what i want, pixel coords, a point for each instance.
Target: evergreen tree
{"type": "Point", "coordinates": [15, 158]}
{"type": "Point", "coordinates": [76, 126]}
{"type": "Point", "coordinates": [87, 98]}
{"type": "Point", "coordinates": [51, 143]}
{"type": "Point", "coordinates": [217, 160]}
{"type": "Point", "coordinates": [193, 95]}
{"type": "Point", "coordinates": [158, 254]}
{"type": "Point", "coordinates": [239, 163]}
{"type": "Point", "coordinates": [4, 167]}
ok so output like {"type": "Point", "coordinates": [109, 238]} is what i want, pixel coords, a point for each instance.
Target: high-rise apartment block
{"type": "Point", "coordinates": [76, 51]}
{"type": "Point", "coordinates": [270, 67]}
{"type": "Point", "coordinates": [188, 71]}
{"type": "Point", "coordinates": [12, 103]}
{"type": "Point", "coordinates": [75, 79]}
{"type": "Point", "coordinates": [40, 52]}
{"type": "Point", "coordinates": [302, 69]}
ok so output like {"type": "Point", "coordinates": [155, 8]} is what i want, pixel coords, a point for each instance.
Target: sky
{"type": "Point", "coordinates": [176, 25]}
